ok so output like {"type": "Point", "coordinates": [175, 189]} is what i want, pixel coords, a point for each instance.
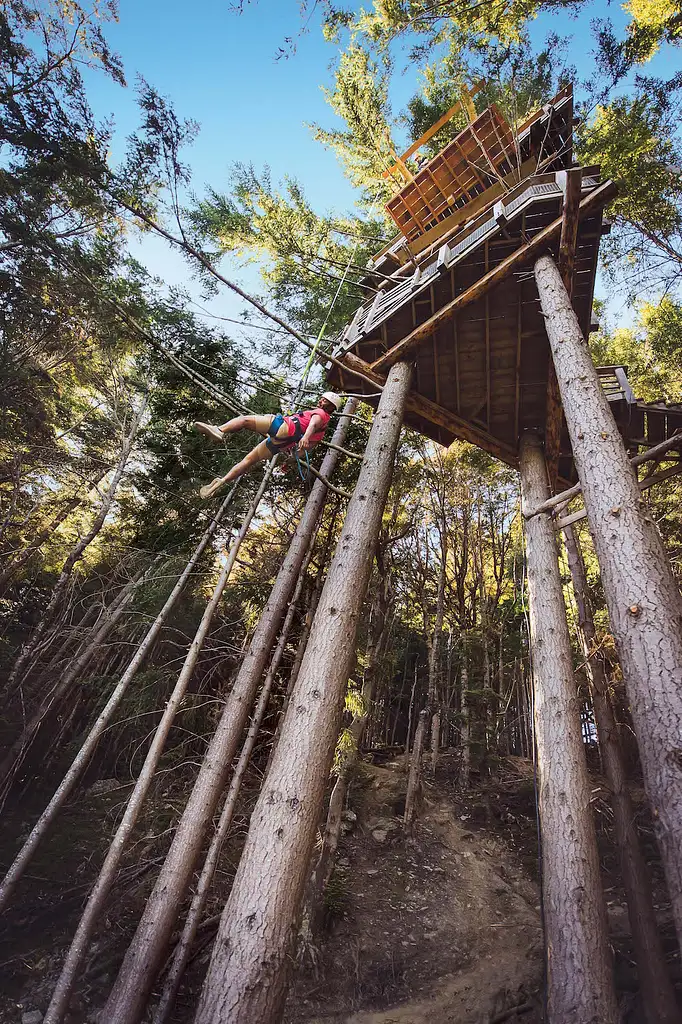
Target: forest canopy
{"type": "Point", "coordinates": [112, 563]}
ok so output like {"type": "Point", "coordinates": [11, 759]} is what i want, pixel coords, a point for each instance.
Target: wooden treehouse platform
{"type": "Point", "coordinates": [455, 292]}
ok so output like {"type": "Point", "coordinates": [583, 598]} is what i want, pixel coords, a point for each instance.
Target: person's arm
{"type": "Point", "coordinates": [316, 424]}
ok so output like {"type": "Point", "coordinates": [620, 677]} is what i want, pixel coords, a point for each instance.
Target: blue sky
{"type": "Point", "coordinates": [220, 69]}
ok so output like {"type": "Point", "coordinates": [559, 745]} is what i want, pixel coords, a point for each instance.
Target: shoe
{"type": "Point", "coordinates": [208, 429]}
{"type": "Point", "coordinates": [208, 490]}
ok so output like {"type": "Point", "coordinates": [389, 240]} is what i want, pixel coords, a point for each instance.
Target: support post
{"type": "Point", "coordinates": [147, 949]}
{"type": "Point", "coordinates": [247, 975]}
{"type": "Point", "coordinates": [579, 971]}
{"type": "Point", "coordinates": [643, 600]}
{"type": "Point", "coordinates": [658, 996]}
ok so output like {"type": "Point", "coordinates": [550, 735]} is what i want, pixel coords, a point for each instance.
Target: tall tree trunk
{"type": "Point", "coordinates": [658, 997]}
{"type": "Point", "coordinates": [322, 871]}
{"type": "Point", "coordinates": [410, 710]}
{"type": "Point", "coordinates": [183, 949]}
{"type": "Point", "coordinates": [147, 949]}
{"type": "Point", "coordinates": [414, 774]}
{"type": "Point", "coordinates": [107, 876]}
{"type": "Point", "coordinates": [501, 731]}
{"type": "Point", "coordinates": [434, 654]}
{"type": "Point", "coordinates": [247, 975]}
{"type": "Point", "coordinates": [579, 969]}
{"type": "Point", "coordinates": [465, 721]}
{"type": "Point", "coordinates": [644, 603]}
{"type": "Point", "coordinates": [77, 553]}
{"type": "Point", "coordinates": [82, 759]}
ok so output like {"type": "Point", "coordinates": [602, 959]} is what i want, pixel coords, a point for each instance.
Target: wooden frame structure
{"type": "Point", "coordinates": [466, 310]}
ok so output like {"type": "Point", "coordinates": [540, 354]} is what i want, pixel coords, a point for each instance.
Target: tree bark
{"type": "Point", "coordinates": [247, 975]}
{"type": "Point", "coordinates": [579, 969]}
{"type": "Point", "coordinates": [146, 951]}
{"type": "Point", "coordinates": [183, 949]}
{"type": "Point", "coordinates": [414, 776]}
{"type": "Point", "coordinates": [107, 876]}
{"type": "Point", "coordinates": [80, 762]}
{"type": "Point", "coordinates": [643, 600]}
{"type": "Point", "coordinates": [658, 997]}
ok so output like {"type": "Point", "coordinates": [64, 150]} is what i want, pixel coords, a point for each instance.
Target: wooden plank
{"type": "Point", "coordinates": [517, 396]}
{"type": "Point", "coordinates": [643, 485]}
{"type": "Point", "coordinates": [596, 199]}
{"type": "Point", "coordinates": [447, 116]}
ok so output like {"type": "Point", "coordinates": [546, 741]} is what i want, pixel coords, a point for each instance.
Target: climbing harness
{"type": "Point", "coordinates": [278, 444]}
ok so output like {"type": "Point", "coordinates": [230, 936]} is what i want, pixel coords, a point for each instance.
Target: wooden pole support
{"type": "Point", "coordinates": [247, 977]}
{"type": "Point", "coordinates": [579, 970]}
{"type": "Point", "coordinates": [642, 596]}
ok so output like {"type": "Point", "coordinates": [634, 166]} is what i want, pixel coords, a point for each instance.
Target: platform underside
{"type": "Point", "coordinates": [489, 364]}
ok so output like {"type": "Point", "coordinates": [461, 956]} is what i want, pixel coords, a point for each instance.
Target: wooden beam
{"type": "Point", "coordinates": [571, 184]}
{"type": "Point", "coordinates": [468, 105]}
{"type": "Point", "coordinates": [675, 441]}
{"type": "Point", "coordinates": [530, 251]}
{"type": "Point", "coordinates": [643, 485]}
{"type": "Point", "coordinates": [438, 416]}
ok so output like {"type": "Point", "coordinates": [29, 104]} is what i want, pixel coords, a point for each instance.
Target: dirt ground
{"type": "Point", "coordinates": [440, 928]}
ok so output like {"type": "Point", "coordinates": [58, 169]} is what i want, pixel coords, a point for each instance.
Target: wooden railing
{"type": "Point", "coordinates": [614, 381]}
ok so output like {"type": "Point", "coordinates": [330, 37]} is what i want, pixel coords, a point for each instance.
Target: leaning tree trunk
{"type": "Point", "coordinates": [146, 951]}
{"type": "Point", "coordinates": [579, 970]}
{"type": "Point", "coordinates": [643, 600]}
{"type": "Point", "coordinates": [658, 997]}
{"type": "Point", "coordinates": [247, 975]}
{"type": "Point", "coordinates": [77, 553]}
{"type": "Point", "coordinates": [82, 759]}
{"type": "Point", "coordinates": [183, 949]}
{"type": "Point", "coordinates": [107, 876]}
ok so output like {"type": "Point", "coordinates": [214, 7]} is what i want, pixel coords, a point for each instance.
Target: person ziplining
{"type": "Point", "coordinates": [302, 430]}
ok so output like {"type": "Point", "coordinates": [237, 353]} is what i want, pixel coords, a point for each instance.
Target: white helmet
{"type": "Point", "coordinates": [335, 399]}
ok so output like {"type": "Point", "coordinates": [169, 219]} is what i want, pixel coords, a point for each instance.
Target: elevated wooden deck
{"type": "Point", "coordinates": [465, 308]}
{"type": "Point", "coordinates": [469, 316]}
{"type": "Point", "coordinates": [481, 164]}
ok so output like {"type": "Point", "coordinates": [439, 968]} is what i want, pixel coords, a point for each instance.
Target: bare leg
{"type": "Point", "coordinates": [258, 454]}
{"type": "Point", "coordinates": [259, 424]}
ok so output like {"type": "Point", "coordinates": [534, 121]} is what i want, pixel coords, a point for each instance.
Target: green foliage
{"type": "Point", "coordinates": [365, 147]}
{"type": "Point", "coordinates": [634, 141]}
{"type": "Point", "coordinates": [304, 257]}
{"type": "Point", "coordinates": [651, 350]}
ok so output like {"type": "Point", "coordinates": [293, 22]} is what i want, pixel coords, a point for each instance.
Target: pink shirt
{"type": "Point", "coordinates": [304, 419]}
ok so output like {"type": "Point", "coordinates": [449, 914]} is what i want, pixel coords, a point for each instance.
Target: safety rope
{"type": "Point", "coordinates": [313, 351]}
